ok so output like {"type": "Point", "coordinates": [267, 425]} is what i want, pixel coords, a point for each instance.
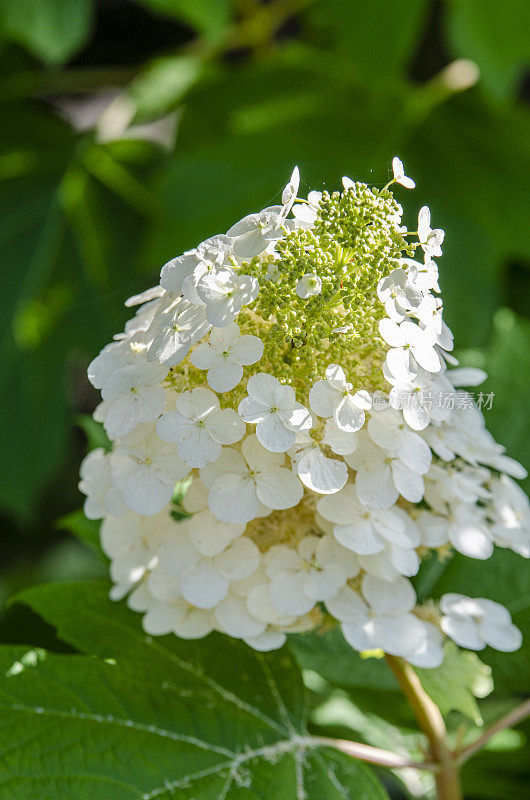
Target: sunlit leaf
{"type": "Point", "coordinates": [457, 682]}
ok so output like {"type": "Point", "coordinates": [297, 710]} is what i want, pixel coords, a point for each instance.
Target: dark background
{"type": "Point", "coordinates": [131, 131]}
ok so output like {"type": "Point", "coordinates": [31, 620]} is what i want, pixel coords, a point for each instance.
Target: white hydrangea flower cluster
{"type": "Point", "coordinates": [289, 442]}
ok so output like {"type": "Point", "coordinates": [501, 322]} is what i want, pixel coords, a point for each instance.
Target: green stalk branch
{"type": "Point", "coordinates": [373, 755]}
{"type": "Point", "coordinates": [513, 717]}
{"type": "Point", "coordinates": [432, 723]}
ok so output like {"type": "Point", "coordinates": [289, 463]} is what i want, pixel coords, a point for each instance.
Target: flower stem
{"type": "Point", "coordinates": [373, 755]}
{"type": "Point", "coordinates": [432, 723]}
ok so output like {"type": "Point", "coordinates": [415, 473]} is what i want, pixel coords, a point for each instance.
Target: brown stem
{"type": "Point", "coordinates": [432, 723]}
{"type": "Point", "coordinates": [509, 719]}
{"type": "Point", "coordinates": [374, 755]}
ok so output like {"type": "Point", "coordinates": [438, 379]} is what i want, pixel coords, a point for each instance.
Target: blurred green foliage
{"type": "Point", "coordinates": [132, 130]}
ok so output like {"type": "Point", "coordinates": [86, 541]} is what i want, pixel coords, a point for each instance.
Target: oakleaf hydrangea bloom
{"type": "Point", "coordinates": [199, 427]}
{"type": "Point", "coordinates": [309, 285]}
{"type": "Point", "coordinates": [275, 411]}
{"type": "Point", "coordinates": [290, 437]}
{"type": "Point", "coordinates": [225, 355]}
{"type": "Point", "coordinates": [399, 174]}
{"type": "Point", "coordinates": [476, 622]}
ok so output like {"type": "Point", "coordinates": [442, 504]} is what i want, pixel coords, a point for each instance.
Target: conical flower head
{"type": "Point", "coordinates": [288, 441]}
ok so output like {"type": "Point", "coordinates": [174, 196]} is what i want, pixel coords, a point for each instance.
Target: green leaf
{"type": "Point", "coordinates": [160, 87]}
{"type": "Point", "coordinates": [377, 38]}
{"type": "Point", "coordinates": [209, 17]}
{"type": "Point", "coordinates": [53, 30]}
{"type": "Point", "coordinates": [507, 361]}
{"type": "Point", "coordinates": [333, 659]}
{"type": "Point", "coordinates": [158, 718]}
{"type": "Point", "coordinates": [493, 774]}
{"type": "Point", "coordinates": [495, 35]}
{"type": "Point", "coordinates": [63, 242]}
{"type": "Point", "coordinates": [94, 431]}
{"type": "Point", "coordinates": [469, 160]}
{"type": "Point", "coordinates": [457, 682]}
{"type": "Point", "coordinates": [87, 530]}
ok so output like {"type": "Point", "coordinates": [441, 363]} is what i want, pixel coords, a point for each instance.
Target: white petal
{"type": "Point", "coordinates": [194, 624]}
{"type": "Point", "coordinates": [393, 528]}
{"type": "Point", "coordinates": [172, 426]}
{"type": "Point", "coordinates": [409, 484]}
{"type": "Point", "coordinates": [262, 387]}
{"type": "Point", "coordinates": [198, 449]}
{"type": "Point", "coordinates": [324, 583]}
{"type": "Point", "coordinates": [321, 399]}
{"type": "Point", "coordinates": [145, 493]}
{"type": "Point", "coordinates": [253, 410]}
{"type": "Point", "coordinates": [287, 594]}
{"type": "Point", "coordinates": [375, 487]}
{"type": "Point", "coordinates": [341, 442]}
{"type": "Point", "coordinates": [197, 403]}
{"type": "Point", "coordinates": [348, 606]}
{"type": "Point", "coordinates": [359, 537]}
{"type": "Point", "coordinates": [462, 631]}
{"type": "Point", "coordinates": [257, 457]}
{"type": "Point", "coordinates": [174, 272]}
{"type": "Point", "coordinates": [384, 429]}
{"type": "Point", "coordinates": [358, 636]}
{"type": "Point", "coordinates": [385, 597]}
{"type": "Point", "coordinates": [280, 558]}
{"type": "Point", "coordinates": [405, 560]}
{"type": "Point", "coordinates": [342, 508]}
{"type": "Point", "coordinates": [298, 418]}
{"type": "Point", "coordinates": [273, 434]}
{"type": "Point", "coordinates": [233, 498]}
{"type": "Point", "coordinates": [348, 416]}
{"type": "Point", "coordinates": [278, 488]}
{"type": "Point", "coordinates": [320, 473]}
{"type": "Point", "coordinates": [401, 364]}
{"type": "Point", "coordinates": [466, 376]}
{"type": "Point", "coordinates": [330, 552]}
{"type": "Point", "coordinates": [176, 554]}
{"type": "Point", "coordinates": [234, 618]}
{"type": "Point", "coordinates": [506, 638]}
{"type": "Point", "coordinates": [471, 541]}
{"type": "Point", "coordinates": [162, 618]}
{"type": "Point", "coordinates": [392, 333]}
{"type": "Point", "coordinates": [224, 375]}
{"type": "Point", "coordinates": [204, 356]}
{"type": "Point", "coordinates": [238, 561]}
{"type": "Point", "coordinates": [209, 535]}
{"type": "Point", "coordinates": [223, 338]}
{"type": "Point", "coordinates": [399, 635]}
{"type": "Point", "coordinates": [203, 586]}
{"type": "Point", "coordinates": [247, 350]}
{"type": "Point", "coordinates": [428, 358]}
{"type": "Point", "coordinates": [416, 416]}
{"type": "Point", "coordinates": [230, 461]}
{"type": "Point", "coordinates": [260, 606]}
{"type": "Point", "coordinates": [270, 639]}
{"type": "Point", "coordinates": [225, 426]}
{"type": "Point", "coordinates": [415, 453]}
